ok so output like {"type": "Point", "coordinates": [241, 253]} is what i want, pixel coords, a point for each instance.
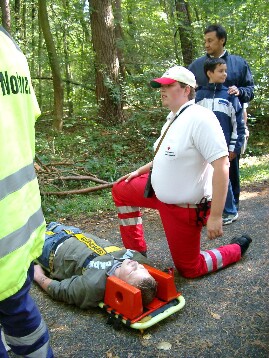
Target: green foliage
{"type": "Point", "coordinates": [59, 208]}
{"type": "Point", "coordinates": [112, 152]}
{"type": "Point", "coordinates": [254, 169]}
{"type": "Point", "coordinates": [148, 43]}
{"type": "Point", "coordinates": [258, 143]}
{"type": "Point", "coordinates": [246, 23]}
{"type": "Point", "coordinates": [94, 149]}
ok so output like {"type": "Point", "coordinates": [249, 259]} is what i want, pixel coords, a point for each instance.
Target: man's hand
{"type": "Point", "coordinates": [234, 90]}
{"type": "Point", "coordinates": [38, 271]}
{"type": "Point", "coordinates": [142, 170]}
{"type": "Point", "coordinates": [220, 182]}
{"type": "Point", "coordinates": [214, 227]}
{"type": "Point", "coordinates": [232, 155]}
{"type": "Point", "coordinates": [129, 176]}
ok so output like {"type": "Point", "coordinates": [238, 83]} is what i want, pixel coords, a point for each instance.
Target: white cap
{"type": "Point", "coordinates": [175, 74]}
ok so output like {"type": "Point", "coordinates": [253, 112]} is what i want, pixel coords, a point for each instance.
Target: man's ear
{"type": "Point", "coordinates": [187, 90]}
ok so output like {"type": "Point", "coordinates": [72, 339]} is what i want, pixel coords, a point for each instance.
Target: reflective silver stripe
{"type": "Point", "coordinates": [19, 237]}
{"type": "Point", "coordinates": [131, 221]}
{"type": "Point", "coordinates": [30, 340]}
{"type": "Point", "coordinates": [42, 352]}
{"type": "Point", "coordinates": [218, 257]}
{"type": "Point", "coordinates": [208, 260]}
{"type": "Point", "coordinates": [127, 209]}
{"type": "Point", "coordinates": [17, 180]}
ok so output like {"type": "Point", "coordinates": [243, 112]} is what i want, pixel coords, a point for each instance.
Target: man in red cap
{"type": "Point", "coordinates": [189, 175]}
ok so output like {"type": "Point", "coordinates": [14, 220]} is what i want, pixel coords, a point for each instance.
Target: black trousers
{"type": "Point", "coordinates": [235, 178]}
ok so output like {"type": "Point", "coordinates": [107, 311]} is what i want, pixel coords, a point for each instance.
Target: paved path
{"type": "Point", "coordinates": [226, 313]}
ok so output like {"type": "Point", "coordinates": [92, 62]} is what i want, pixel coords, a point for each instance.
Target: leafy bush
{"type": "Point", "coordinates": [110, 152]}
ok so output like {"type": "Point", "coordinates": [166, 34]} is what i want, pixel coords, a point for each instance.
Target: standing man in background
{"type": "Point", "coordinates": [22, 224]}
{"type": "Point", "coordinates": [239, 82]}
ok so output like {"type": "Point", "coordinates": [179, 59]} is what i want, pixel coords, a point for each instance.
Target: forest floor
{"type": "Point", "coordinates": [226, 313]}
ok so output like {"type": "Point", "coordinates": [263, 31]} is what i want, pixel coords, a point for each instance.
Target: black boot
{"type": "Point", "coordinates": [243, 241]}
{"type": "Point", "coordinates": [144, 253]}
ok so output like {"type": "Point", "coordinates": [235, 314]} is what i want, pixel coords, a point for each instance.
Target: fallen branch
{"type": "Point", "coordinates": [59, 163]}
{"type": "Point", "coordinates": [80, 177]}
{"type": "Point", "coordinates": [79, 191]}
{"type": "Point", "coordinates": [41, 164]}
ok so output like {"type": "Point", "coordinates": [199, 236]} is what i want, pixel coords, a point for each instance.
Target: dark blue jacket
{"type": "Point", "coordinates": [227, 109]}
{"type": "Point", "coordinates": [238, 74]}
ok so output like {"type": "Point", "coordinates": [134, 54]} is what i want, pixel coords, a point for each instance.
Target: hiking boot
{"type": "Point", "coordinates": [243, 241]}
{"type": "Point", "coordinates": [229, 218]}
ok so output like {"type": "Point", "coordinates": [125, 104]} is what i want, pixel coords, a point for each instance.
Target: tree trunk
{"type": "Point", "coordinates": [17, 17]}
{"type": "Point", "coordinates": [119, 36]}
{"type": "Point", "coordinates": [33, 35]}
{"type": "Point", "coordinates": [66, 57]}
{"type": "Point", "coordinates": [39, 69]}
{"type": "Point", "coordinates": [108, 91]}
{"type": "Point", "coordinates": [4, 4]}
{"type": "Point", "coordinates": [54, 64]}
{"type": "Point", "coordinates": [185, 32]}
{"type": "Point", "coordinates": [23, 23]}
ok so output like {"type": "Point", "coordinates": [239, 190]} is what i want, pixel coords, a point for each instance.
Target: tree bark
{"type": "Point", "coordinates": [119, 36]}
{"type": "Point", "coordinates": [185, 32]}
{"type": "Point", "coordinates": [54, 64]}
{"type": "Point", "coordinates": [4, 4]}
{"type": "Point", "coordinates": [108, 90]}
{"type": "Point", "coordinates": [17, 17]}
{"type": "Point", "coordinates": [67, 62]}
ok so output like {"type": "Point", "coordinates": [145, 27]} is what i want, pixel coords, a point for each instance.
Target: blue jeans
{"type": "Point", "coordinates": [230, 207]}
{"type": "Point", "coordinates": [52, 240]}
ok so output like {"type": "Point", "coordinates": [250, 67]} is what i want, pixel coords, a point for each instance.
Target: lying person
{"type": "Point", "coordinates": [79, 265]}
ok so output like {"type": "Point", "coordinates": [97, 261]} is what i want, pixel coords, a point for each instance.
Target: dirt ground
{"type": "Point", "coordinates": [226, 313]}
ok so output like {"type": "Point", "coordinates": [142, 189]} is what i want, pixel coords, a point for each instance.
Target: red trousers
{"type": "Point", "coordinates": [183, 232]}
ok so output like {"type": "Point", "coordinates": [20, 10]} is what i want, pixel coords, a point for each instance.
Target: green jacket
{"type": "Point", "coordinates": [85, 287]}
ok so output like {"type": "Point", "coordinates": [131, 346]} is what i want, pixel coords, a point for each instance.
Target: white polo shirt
{"type": "Point", "coordinates": [181, 171]}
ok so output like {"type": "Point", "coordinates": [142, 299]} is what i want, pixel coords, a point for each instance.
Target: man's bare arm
{"type": "Point", "coordinates": [41, 278]}
{"type": "Point", "coordinates": [220, 186]}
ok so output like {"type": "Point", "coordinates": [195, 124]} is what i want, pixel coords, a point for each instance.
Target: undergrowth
{"type": "Point", "coordinates": [110, 152]}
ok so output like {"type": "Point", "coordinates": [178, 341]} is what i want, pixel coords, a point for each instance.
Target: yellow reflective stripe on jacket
{"type": "Point", "coordinates": [110, 249]}
{"type": "Point", "coordinates": [91, 244]}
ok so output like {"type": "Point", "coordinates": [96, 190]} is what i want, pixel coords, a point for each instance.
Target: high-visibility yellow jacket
{"type": "Point", "coordinates": [22, 225]}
